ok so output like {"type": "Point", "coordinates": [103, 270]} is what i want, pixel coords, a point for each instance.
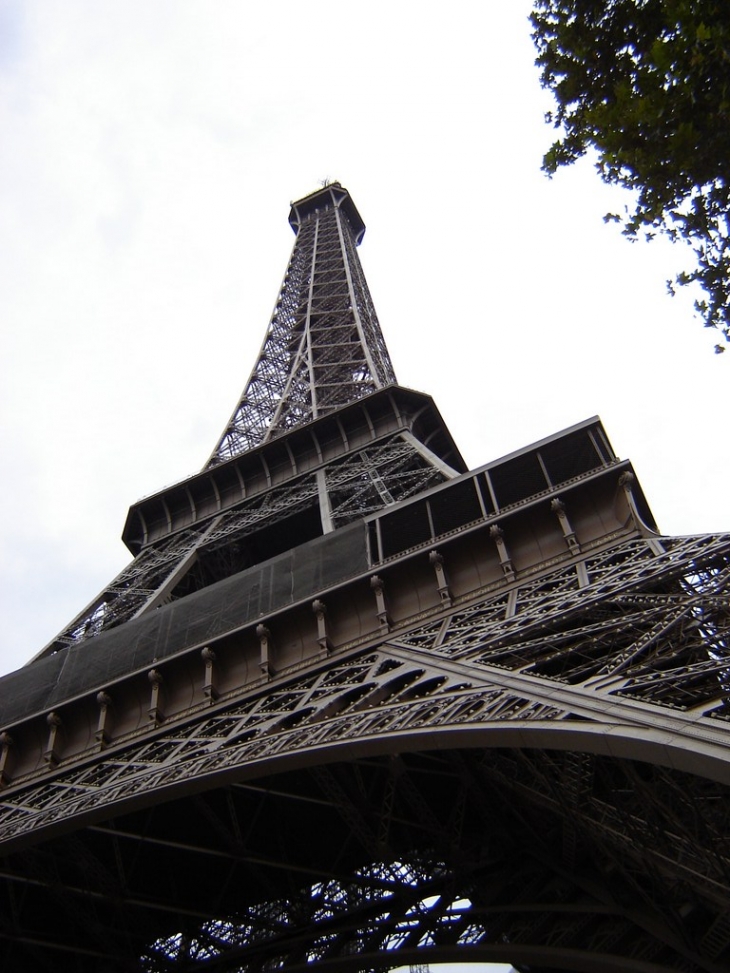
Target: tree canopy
{"type": "Point", "coordinates": [646, 84]}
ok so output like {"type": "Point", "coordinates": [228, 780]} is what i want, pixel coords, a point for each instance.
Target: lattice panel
{"type": "Point", "coordinates": [384, 693]}
{"type": "Point", "coordinates": [650, 622]}
{"type": "Point", "coordinates": [361, 483]}
{"type": "Point", "coordinates": [323, 348]}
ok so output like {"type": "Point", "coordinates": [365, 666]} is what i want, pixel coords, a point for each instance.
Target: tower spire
{"type": "Point", "coordinates": [323, 348]}
{"type": "Point", "coordinates": [321, 437]}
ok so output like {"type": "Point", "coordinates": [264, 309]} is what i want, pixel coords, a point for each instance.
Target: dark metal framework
{"type": "Point", "coordinates": [442, 716]}
{"type": "Point", "coordinates": [324, 347]}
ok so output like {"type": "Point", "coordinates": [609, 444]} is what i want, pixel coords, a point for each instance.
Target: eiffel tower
{"type": "Point", "coordinates": [353, 706]}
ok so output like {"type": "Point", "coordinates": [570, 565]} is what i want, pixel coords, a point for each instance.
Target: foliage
{"type": "Point", "coordinates": [646, 83]}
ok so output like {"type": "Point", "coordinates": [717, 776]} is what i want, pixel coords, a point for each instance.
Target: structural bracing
{"type": "Point", "coordinates": [324, 348]}
{"type": "Point", "coordinates": [352, 706]}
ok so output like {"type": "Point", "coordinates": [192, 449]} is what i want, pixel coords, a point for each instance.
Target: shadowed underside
{"type": "Point", "coordinates": [456, 853]}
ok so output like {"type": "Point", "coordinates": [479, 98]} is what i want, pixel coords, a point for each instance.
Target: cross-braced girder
{"type": "Point", "coordinates": [362, 482]}
{"type": "Point", "coordinates": [324, 348]}
{"type": "Point", "coordinates": [575, 856]}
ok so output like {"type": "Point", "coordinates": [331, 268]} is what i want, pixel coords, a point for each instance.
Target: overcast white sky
{"type": "Point", "coordinates": [149, 153]}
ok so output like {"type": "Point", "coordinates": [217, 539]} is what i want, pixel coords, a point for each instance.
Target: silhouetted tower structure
{"type": "Point", "coordinates": [352, 706]}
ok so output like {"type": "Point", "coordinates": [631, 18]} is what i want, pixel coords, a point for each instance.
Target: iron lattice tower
{"type": "Point", "coordinates": [324, 348]}
{"type": "Point", "coordinates": [354, 706]}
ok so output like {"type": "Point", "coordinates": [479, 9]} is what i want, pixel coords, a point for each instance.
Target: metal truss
{"type": "Point", "coordinates": [360, 483]}
{"type": "Point", "coordinates": [501, 826]}
{"type": "Point", "coordinates": [667, 643]}
{"type": "Point", "coordinates": [324, 347]}
{"type": "Point", "coordinates": [576, 638]}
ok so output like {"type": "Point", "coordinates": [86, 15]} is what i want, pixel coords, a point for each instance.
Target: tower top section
{"type": "Point", "coordinates": [323, 348]}
{"type": "Point", "coordinates": [330, 195]}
